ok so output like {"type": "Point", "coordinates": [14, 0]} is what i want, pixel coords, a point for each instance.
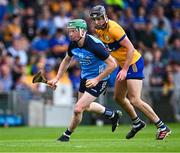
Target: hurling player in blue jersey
{"type": "Point", "coordinates": [96, 65]}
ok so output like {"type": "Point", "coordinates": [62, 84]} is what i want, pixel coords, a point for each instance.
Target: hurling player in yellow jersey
{"type": "Point", "coordinates": [129, 78]}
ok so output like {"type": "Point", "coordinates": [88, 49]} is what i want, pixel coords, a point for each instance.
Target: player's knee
{"type": "Point", "coordinates": [119, 99]}
{"type": "Point", "coordinates": [135, 101]}
{"type": "Point", "coordinates": [78, 110]}
{"type": "Point", "coordinates": [88, 109]}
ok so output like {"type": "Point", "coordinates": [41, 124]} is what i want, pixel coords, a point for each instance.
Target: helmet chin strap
{"type": "Point", "coordinates": [82, 35]}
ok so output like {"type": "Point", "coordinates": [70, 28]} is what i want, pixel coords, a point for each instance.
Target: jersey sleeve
{"type": "Point", "coordinates": [118, 33]}
{"type": "Point", "coordinates": [100, 51]}
{"type": "Point", "coordinates": [69, 50]}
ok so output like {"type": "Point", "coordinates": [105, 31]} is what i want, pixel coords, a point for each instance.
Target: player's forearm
{"type": "Point", "coordinates": [111, 65]}
{"type": "Point", "coordinates": [128, 58]}
{"type": "Point", "coordinates": [63, 68]}
{"type": "Point", "coordinates": [130, 50]}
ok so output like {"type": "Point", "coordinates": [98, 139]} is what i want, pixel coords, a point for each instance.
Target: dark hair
{"type": "Point", "coordinates": [44, 32]}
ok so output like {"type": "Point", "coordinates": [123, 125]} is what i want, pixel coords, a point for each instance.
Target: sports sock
{"type": "Point", "coordinates": [67, 133]}
{"type": "Point", "coordinates": [160, 124]}
{"type": "Point", "coordinates": [136, 122]}
{"type": "Point", "coordinates": [108, 113]}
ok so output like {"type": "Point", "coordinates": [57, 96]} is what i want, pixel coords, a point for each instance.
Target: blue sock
{"type": "Point", "coordinates": [108, 113]}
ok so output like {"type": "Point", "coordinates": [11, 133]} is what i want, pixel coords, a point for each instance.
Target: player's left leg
{"type": "Point", "coordinates": [120, 93]}
{"type": "Point", "coordinates": [134, 94]}
{"type": "Point", "coordinates": [82, 104]}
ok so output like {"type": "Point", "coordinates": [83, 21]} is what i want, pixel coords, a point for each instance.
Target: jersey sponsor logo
{"type": "Point", "coordinates": [107, 38]}
{"type": "Point", "coordinates": [94, 90]}
{"type": "Point", "coordinates": [101, 69]}
{"type": "Point", "coordinates": [134, 67]}
{"type": "Point", "coordinates": [103, 86]}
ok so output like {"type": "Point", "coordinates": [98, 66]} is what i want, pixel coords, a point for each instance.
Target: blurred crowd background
{"type": "Point", "coordinates": [33, 37]}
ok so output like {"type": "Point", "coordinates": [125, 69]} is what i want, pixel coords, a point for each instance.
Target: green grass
{"type": "Point", "coordinates": [87, 139]}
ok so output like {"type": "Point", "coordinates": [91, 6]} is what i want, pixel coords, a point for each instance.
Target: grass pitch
{"type": "Point", "coordinates": [87, 139]}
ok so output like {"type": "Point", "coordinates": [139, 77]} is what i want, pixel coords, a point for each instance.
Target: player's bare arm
{"type": "Point", "coordinates": [111, 65]}
{"type": "Point", "coordinates": [130, 49]}
{"type": "Point", "coordinates": [62, 69]}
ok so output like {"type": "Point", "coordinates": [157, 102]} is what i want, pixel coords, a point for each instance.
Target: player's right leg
{"type": "Point", "coordinates": [120, 97]}
{"type": "Point", "coordinates": [114, 116]}
{"type": "Point", "coordinates": [82, 104]}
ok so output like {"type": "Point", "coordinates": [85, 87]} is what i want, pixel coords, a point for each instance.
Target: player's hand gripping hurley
{"type": "Point", "coordinates": [39, 78]}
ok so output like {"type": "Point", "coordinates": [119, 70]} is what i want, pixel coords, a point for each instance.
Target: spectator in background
{"type": "Point", "coordinates": [56, 5]}
{"type": "Point", "coordinates": [2, 49]}
{"type": "Point", "coordinates": [148, 39]}
{"type": "Point", "coordinates": [168, 85]}
{"type": "Point", "coordinates": [13, 29]}
{"type": "Point", "coordinates": [148, 68]}
{"type": "Point", "coordinates": [58, 44]}
{"type": "Point", "coordinates": [17, 49]}
{"type": "Point", "coordinates": [158, 69]}
{"type": "Point", "coordinates": [17, 66]}
{"type": "Point", "coordinates": [157, 16]}
{"type": "Point", "coordinates": [3, 10]}
{"type": "Point", "coordinates": [148, 58]}
{"type": "Point", "coordinates": [17, 69]}
{"type": "Point", "coordinates": [167, 5]}
{"type": "Point", "coordinates": [7, 58]}
{"type": "Point", "coordinates": [160, 34]}
{"type": "Point", "coordinates": [176, 20]}
{"type": "Point", "coordinates": [146, 4]}
{"type": "Point", "coordinates": [80, 12]}
{"type": "Point", "coordinates": [39, 64]}
{"type": "Point", "coordinates": [15, 6]}
{"type": "Point", "coordinates": [6, 81]}
{"type": "Point", "coordinates": [29, 27]}
{"type": "Point", "coordinates": [139, 27]}
{"type": "Point", "coordinates": [141, 15]}
{"type": "Point", "coordinates": [157, 76]}
{"type": "Point", "coordinates": [40, 44]}
{"type": "Point", "coordinates": [61, 20]}
{"type": "Point", "coordinates": [45, 21]}
{"type": "Point", "coordinates": [174, 50]}
{"type": "Point", "coordinates": [127, 22]}
{"type": "Point", "coordinates": [176, 97]}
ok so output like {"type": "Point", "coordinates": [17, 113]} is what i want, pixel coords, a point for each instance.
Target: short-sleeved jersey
{"type": "Point", "coordinates": [111, 37]}
{"type": "Point", "coordinates": [91, 57]}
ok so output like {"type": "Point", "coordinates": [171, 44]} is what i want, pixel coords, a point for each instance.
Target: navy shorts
{"type": "Point", "coordinates": [135, 70]}
{"type": "Point", "coordinates": [94, 91]}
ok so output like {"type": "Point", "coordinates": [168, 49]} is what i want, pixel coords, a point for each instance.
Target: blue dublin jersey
{"type": "Point", "coordinates": [91, 57]}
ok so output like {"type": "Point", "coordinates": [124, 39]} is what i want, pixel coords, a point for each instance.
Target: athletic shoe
{"type": "Point", "coordinates": [115, 119]}
{"type": "Point", "coordinates": [134, 130]}
{"type": "Point", "coordinates": [63, 138]}
{"type": "Point", "coordinates": [162, 133]}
